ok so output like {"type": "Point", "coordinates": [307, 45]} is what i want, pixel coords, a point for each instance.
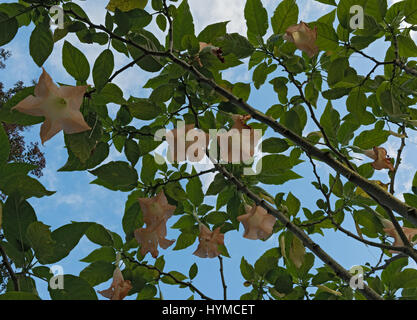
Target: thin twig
{"type": "Point", "coordinates": [222, 277]}
{"type": "Point", "coordinates": [169, 275]}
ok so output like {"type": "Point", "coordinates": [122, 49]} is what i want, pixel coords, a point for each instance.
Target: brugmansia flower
{"type": "Point", "coordinates": [390, 230]}
{"type": "Point", "coordinates": [303, 37]}
{"type": "Point", "coordinates": [238, 144]}
{"type": "Point", "coordinates": [119, 287]}
{"type": "Point", "coordinates": [150, 238]}
{"type": "Point", "coordinates": [257, 222]}
{"type": "Point", "coordinates": [156, 211]}
{"type": "Point", "coordinates": [209, 242]}
{"type": "Point", "coordinates": [380, 157]}
{"type": "Point", "coordinates": [187, 143]}
{"type": "Point", "coordinates": [59, 105]}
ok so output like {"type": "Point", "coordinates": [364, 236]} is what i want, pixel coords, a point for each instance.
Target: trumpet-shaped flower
{"type": "Point", "coordinates": [380, 157]}
{"type": "Point", "coordinates": [150, 238]}
{"type": "Point", "coordinates": [303, 37]}
{"type": "Point", "coordinates": [156, 209]}
{"type": "Point", "coordinates": [59, 105]}
{"type": "Point", "coordinates": [119, 287]}
{"type": "Point", "coordinates": [390, 230]}
{"type": "Point", "coordinates": [209, 242]}
{"type": "Point", "coordinates": [257, 222]}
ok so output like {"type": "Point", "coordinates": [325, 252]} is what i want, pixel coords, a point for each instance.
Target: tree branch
{"type": "Point", "coordinates": [169, 275]}
{"type": "Point", "coordinates": [9, 268]}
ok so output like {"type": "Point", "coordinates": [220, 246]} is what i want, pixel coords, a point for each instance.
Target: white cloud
{"type": "Point", "coordinates": [209, 12]}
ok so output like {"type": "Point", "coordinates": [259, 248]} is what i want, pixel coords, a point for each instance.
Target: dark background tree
{"type": "Point", "coordinates": [21, 151]}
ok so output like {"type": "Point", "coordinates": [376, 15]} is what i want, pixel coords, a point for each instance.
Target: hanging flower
{"type": "Point", "coordinates": [390, 230]}
{"type": "Point", "coordinates": [150, 238]}
{"type": "Point", "coordinates": [119, 287]}
{"type": "Point", "coordinates": [257, 222]}
{"type": "Point", "coordinates": [209, 242]}
{"type": "Point", "coordinates": [382, 161]}
{"type": "Point", "coordinates": [59, 105]}
{"type": "Point", "coordinates": [156, 209]}
{"type": "Point", "coordinates": [303, 37]}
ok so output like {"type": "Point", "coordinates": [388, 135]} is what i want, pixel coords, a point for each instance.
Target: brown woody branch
{"type": "Point", "coordinates": [169, 275]}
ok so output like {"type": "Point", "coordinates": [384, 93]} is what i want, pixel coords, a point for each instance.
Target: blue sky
{"type": "Point", "coordinates": [78, 200]}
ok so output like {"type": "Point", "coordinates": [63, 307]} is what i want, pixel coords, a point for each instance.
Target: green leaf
{"type": "Point", "coordinates": [336, 70]}
{"type": "Point", "coordinates": [25, 186]}
{"type": "Point", "coordinates": [256, 21]}
{"type": "Point", "coordinates": [132, 151]}
{"type": "Point", "coordinates": [236, 44]}
{"type": "Point", "coordinates": [283, 283]}
{"type": "Point", "coordinates": [132, 219]}
{"type": "Point", "coordinates": [162, 93]}
{"type": "Point", "coordinates": [183, 24]}
{"type": "Point", "coordinates": [293, 204]}
{"type": "Point", "coordinates": [75, 288]}
{"type": "Point", "coordinates": [327, 39]}
{"type": "Point", "coordinates": [41, 44]}
{"type": "Point", "coordinates": [41, 241]}
{"type": "Point", "coordinates": [261, 72]}
{"type": "Point", "coordinates": [274, 145]}
{"type": "Point", "coordinates": [110, 93]}
{"type": "Point", "coordinates": [212, 32]}
{"type": "Point", "coordinates": [248, 272]}
{"type": "Point", "coordinates": [75, 62]}
{"type": "Point", "coordinates": [194, 190]}
{"type": "Point", "coordinates": [161, 21]}
{"type": "Point", "coordinates": [148, 176]}
{"type": "Point", "coordinates": [117, 174]}
{"type": "Point", "coordinates": [144, 109]}
{"type": "Point", "coordinates": [410, 10]}
{"type": "Point", "coordinates": [97, 272]}
{"type": "Point", "coordinates": [192, 273]}
{"type": "Point", "coordinates": [147, 40]}
{"type": "Point", "coordinates": [98, 234]}
{"type": "Point", "coordinates": [330, 121]}
{"type": "Point", "coordinates": [17, 216]}
{"type": "Point", "coordinates": [66, 238]}
{"type": "Point", "coordinates": [285, 15]}
{"type": "Point", "coordinates": [103, 68]}
{"type": "Point", "coordinates": [8, 28]}
{"type": "Point", "coordinates": [370, 138]}
{"type": "Point", "coordinates": [185, 240]}
{"type": "Point", "coordinates": [406, 46]}
{"type": "Point", "coordinates": [101, 254]}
